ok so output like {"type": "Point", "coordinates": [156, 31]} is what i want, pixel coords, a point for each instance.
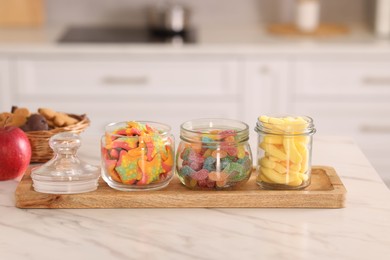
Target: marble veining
{"type": "Point", "coordinates": [359, 231]}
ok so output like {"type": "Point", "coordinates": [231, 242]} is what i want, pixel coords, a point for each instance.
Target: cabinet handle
{"type": "Point", "coordinates": [117, 80]}
{"type": "Point", "coordinates": [376, 81]}
{"type": "Point", "coordinates": [378, 129]}
{"type": "Point", "coordinates": [264, 70]}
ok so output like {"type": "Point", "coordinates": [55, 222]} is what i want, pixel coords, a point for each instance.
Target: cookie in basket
{"type": "Point", "coordinates": [57, 119]}
{"type": "Point", "coordinates": [17, 117]}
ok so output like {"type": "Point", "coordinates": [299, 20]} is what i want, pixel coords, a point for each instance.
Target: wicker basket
{"type": "Point", "coordinates": [39, 140]}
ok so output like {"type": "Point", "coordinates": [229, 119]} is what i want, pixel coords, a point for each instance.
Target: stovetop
{"type": "Point", "coordinates": [123, 35]}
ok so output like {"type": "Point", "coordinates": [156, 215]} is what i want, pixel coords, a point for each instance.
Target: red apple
{"type": "Point", "coordinates": [15, 152]}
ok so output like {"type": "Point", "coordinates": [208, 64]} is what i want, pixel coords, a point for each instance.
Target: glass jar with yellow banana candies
{"type": "Point", "coordinates": [284, 151]}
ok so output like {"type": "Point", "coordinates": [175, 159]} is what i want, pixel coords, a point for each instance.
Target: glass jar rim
{"type": "Point", "coordinates": [192, 128]}
{"type": "Point", "coordinates": [267, 127]}
{"type": "Point", "coordinates": [163, 129]}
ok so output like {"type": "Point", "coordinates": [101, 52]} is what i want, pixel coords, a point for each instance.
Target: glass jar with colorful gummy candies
{"type": "Point", "coordinates": [213, 154]}
{"type": "Point", "coordinates": [137, 155]}
{"type": "Point", "coordinates": [284, 152]}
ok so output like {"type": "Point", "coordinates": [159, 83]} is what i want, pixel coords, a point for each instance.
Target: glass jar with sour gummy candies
{"type": "Point", "coordinates": [213, 154]}
{"type": "Point", "coordinates": [284, 152]}
{"type": "Point", "coordinates": [137, 155]}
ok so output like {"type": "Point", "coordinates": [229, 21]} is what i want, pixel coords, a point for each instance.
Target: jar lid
{"type": "Point", "coordinates": [65, 173]}
{"type": "Point", "coordinates": [285, 125]}
{"type": "Point", "coordinates": [214, 129]}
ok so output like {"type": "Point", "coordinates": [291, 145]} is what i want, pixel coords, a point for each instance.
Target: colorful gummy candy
{"type": "Point", "coordinates": [216, 161]}
{"type": "Point", "coordinates": [286, 157]}
{"type": "Point", "coordinates": [138, 154]}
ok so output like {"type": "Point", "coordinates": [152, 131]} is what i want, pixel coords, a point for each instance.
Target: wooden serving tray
{"type": "Point", "coordinates": [325, 191]}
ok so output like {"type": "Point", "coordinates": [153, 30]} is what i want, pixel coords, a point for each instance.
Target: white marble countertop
{"type": "Point", "coordinates": [359, 231]}
{"type": "Point", "coordinates": [210, 40]}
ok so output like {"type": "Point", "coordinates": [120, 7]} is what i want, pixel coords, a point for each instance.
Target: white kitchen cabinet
{"type": "Point", "coordinates": [342, 79]}
{"type": "Point", "coordinates": [348, 98]}
{"type": "Point", "coordinates": [5, 88]}
{"type": "Point", "coordinates": [265, 91]}
{"type": "Point", "coordinates": [96, 78]}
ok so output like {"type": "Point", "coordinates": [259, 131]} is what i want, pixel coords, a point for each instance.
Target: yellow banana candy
{"type": "Point", "coordinates": [265, 162]}
{"type": "Point", "coordinates": [295, 125]}
{"type": "Point", "coordinates": [273, 139]}
{"type": "Point", "coordinates": [291, 150]}
{"type": "Point", "coordinates": [280, 168]}
{"type": "Point", "coordinates": [276, 121]}
{"type": "Point", "coordinates": [263, 119]}
{"type": "Point", "coordinates": [271, 157]}
{"type": "Point", "coordinates": [301, 139]}
{"type": "Point", "coordinates": [303, 151]}
{"type": "Point", "coordinates": [291, 166]}
{"type": "Point", "coordinates": [295, 167]}
{"type": "Point", "coordinates": [273, 151]}
{"type": "Point", "coordinates": [304, 177]}
{"type": "Point", "coordinates": [296, 182]}
{"type": "Point", "coordinates": [261, 177]}
{"type": "Point", "coordinates": [280, 178]}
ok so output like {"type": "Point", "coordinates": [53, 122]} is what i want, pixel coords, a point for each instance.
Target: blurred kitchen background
{"type": "Point", "coordinates": [204, 12]}
{"type": "Point", "coordinates": [171, 61]}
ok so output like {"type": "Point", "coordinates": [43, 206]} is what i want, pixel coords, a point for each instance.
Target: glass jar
{"type": "Point", "coordinates": [137, 155]}
{"type": "Point", "coordinates": [213, 154]}
{"type": "Point", "coordinates": [284, 152]}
